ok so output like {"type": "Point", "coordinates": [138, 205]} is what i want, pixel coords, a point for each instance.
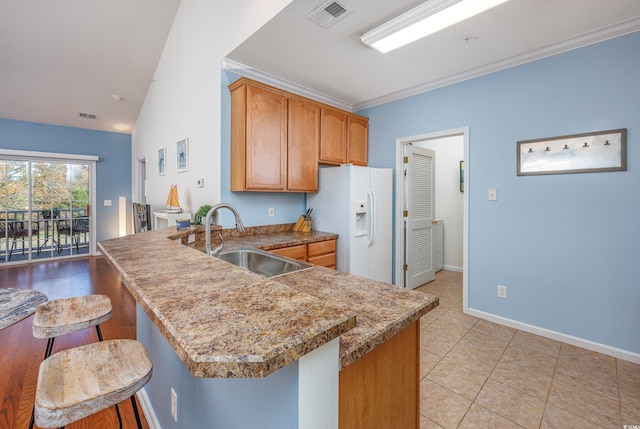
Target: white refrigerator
{"type": "Point", "coordinates": [355, 203]}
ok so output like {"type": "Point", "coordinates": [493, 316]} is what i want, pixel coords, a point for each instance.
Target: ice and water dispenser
{"type": "Point", "coordinates": [361, 209]}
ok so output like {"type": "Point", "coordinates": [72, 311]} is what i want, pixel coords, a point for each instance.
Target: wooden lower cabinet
{"type": "Point", "coordinates": [321, 253]}
{"type": "Point", "coordinates": [294, 252]}
{"type": "Point", "coordinates": [382, 389]}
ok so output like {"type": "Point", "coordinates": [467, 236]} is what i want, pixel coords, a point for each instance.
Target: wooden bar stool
{"type": "Point", "coordinates": [63, 316]}
{"type": "Point", "coordinates": [78, 382]}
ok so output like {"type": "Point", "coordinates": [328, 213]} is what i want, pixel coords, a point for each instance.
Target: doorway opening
{"type": "Point", "coordinates": [445, 189]}
{"type": "Point", "coordinates": [142, 181]}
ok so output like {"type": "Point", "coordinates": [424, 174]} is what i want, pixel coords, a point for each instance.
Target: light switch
{"type": "Point", "coordinates": [107, 203]}
{"type": "Point", "coordinates": [493, 194]}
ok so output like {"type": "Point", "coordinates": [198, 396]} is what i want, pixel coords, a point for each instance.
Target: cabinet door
{"type": "Point", "coordinates": [357, 144]}
{"type": "Point", "coordinates": [303, 142]}
{"type": "Point", "coordinates": [333, 137]}
{"type": "Point", "coordinates": [298, 252]}
{"type": "Point", "coordinates": [322, 253]}
{"type": "Point", "coordinates": [266, 140]}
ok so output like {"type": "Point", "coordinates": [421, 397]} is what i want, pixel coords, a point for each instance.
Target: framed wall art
{"type": "Point", "coordinates": [182, 153]}
{"type": "Point", "coordinates": [577, 153]}
{"type": "Point", "coordinates": [162, 161]}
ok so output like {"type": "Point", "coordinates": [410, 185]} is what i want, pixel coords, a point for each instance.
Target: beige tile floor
{"type": "Point", "coordinates": [477, 374]}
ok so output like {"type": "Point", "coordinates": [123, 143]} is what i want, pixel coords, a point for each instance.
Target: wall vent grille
{"type": "Point", "coordinates": [88, 115]}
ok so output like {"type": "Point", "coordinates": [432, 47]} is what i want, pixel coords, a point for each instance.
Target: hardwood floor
{"type": "Point", "coordinates": [21, 354]}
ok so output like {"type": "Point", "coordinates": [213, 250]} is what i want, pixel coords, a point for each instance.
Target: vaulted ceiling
{"type": "Point", "coordinates": [59, 59]}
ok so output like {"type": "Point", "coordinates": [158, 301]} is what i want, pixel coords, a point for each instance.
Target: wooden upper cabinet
{"type": "Point", "coordinates": [303, 144]}
{"type": "Point", "coordinates": [343, 138]}
{"type": "Point", "coordinates": [274, 140]}
{"type": "Point", "coordinates": [333, 136]}
{"type": "Point", "coordinates": [266, 145]}
{"type": "Point", "coordinates": [357, 143]}
{"type": "Point", "coordinates": [258, 139]}
{"type": "Point", "coordinates": [279, 138]}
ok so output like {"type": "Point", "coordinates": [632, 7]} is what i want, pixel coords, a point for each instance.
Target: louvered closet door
{"type": "Point", "coordinates": [421, 187]}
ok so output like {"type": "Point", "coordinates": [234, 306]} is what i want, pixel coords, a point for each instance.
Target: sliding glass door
{"type": "Point", "coordinates": [15, 234]}
{"type": "Point", "coordinates": [44, 209]}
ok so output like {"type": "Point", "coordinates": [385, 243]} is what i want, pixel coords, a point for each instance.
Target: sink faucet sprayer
{"type": "Point", "coordinates": [207, 226]}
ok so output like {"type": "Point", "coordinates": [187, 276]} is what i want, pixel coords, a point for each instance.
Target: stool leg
{"type": "Point", "coordinates": [99, 332]}
{"type": "Point", "coordinates": [47, 353]}
{"type": "Point", "coordinates": [119, 418]}
{"type": "Point", "coordinates": [49, 348]}
{"type": "Point", "coordinates": [135, 410]}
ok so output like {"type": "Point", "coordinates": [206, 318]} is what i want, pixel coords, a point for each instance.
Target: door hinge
{"type": "Point", "coordinates": [406, 160]}
{"type": "Point", "coordinates": [405, 267]}
{"type": "Point", "coordinates": [405, 213]}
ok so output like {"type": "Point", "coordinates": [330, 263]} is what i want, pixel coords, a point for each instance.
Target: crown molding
{"type": "Point", "coordinates": [597, 36]}
{"type": "Point", "coordinates": [251, 73]}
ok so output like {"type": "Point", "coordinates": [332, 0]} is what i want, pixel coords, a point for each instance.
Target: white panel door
{"type": "Point", "coordinates": [421, 197]}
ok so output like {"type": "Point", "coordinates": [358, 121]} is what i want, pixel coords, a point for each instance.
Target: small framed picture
{"type": "Point", "coordinates": [162, 161]}
{"type": "Point", "coordinates": [182, 155]}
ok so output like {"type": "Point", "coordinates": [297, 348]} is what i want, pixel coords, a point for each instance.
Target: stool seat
{"type": "Point", "coordinates": [76, 383]}
{"type": "Point", "coordinates": [62, 316]}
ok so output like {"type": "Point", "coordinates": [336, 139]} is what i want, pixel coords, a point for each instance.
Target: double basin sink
{"type": "Point", "coordinates": [264, 263]}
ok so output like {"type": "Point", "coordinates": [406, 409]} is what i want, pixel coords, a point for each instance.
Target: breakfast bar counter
{"type": "Point", "coordinates": [223, 321]}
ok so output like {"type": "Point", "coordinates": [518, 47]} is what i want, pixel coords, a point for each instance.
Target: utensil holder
{"type": "Point", "coordinates": [302, 225]}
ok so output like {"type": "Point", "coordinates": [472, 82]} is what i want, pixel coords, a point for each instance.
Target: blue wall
{"type": "Point", "coordinates": [566, 246]}
{"type": "Point", "coordinates": [253, 206]}
{"type": "Point", "coordinates": [266, 403]}
{"type": "Point", "coordinates": [113, 169]}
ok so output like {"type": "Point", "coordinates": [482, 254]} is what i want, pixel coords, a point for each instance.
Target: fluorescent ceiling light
{"type": "Point", "coordinates": [419, 22]}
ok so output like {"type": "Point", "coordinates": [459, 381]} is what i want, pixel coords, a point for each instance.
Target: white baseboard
{"type": "Point", "coordinates": [574, 341]}
{"type": "Point", "coordinates": [452, 268]}
{"type": "Point", "coordinates": [149, 413]}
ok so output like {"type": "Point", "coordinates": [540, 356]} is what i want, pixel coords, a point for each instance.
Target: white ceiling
{"type": "Point", "coordinates": [62, 57]}
{"type": "Point", "coordinates": [59, 58]}
{"type": "Point", "coordinates": [335, 63]}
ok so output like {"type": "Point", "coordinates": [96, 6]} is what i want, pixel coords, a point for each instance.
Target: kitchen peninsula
{"type": "Point", "coordinates": [307, 349]}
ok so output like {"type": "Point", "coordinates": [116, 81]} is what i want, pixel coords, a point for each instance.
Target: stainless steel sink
{"type": "Point", "coordinates": [263, 263]}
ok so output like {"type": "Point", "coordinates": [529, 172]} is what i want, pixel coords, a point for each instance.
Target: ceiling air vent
{"type": "Point", "coordinates": [328, 13]}
{"type": "Point", "coordinates": [88, 115]}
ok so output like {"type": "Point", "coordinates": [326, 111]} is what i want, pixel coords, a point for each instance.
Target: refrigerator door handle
{"type": "Point", "coordinates": [371, 233]}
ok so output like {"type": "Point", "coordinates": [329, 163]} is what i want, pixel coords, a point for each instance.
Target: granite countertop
{"type": "Point", "coordinates": [224, 321]}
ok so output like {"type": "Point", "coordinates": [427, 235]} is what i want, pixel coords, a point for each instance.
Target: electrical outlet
{"type": "Point", "coordinates": [493, 194]}
{"type": "Point", "coordinates": [502, 291]}
{"type": "Point", "coordinates": [107, 203]}
{"type": "Point", "coordinates": [200, 182]}
{"type": "Point", "coordinates": [272, 212]}
{"type": "Point", "coordinates": [174, 405]}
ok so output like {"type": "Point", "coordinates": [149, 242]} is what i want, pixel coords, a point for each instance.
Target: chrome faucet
{"type": "Point", "coordinates": [207, 227]}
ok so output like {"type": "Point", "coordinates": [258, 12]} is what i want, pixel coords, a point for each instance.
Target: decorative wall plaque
{"type": "Point", "coordinates": [577, 153]}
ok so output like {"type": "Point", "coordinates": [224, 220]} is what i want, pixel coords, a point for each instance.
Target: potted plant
{"type": "Point", "coordinates": [201, 214]}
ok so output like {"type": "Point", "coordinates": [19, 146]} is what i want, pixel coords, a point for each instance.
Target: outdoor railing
{"type": "Point", "coordinates": [49, 232]}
